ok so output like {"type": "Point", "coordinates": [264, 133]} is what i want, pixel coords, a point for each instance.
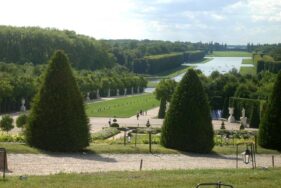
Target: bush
{"type": "Point", "coordinates": [187, 125]}
{"type": "Point", "coordinates": [6, 137]}
{"type": "Point", "coordinates": [162, 109]}
{"type": "Point", "coordinates": [58, 121]}
{"type": "Point", "coordinates": [21, 121]}
{"type": "Point", "coordinates": [105, 133]}
{"type": "Point", "coordinates": [270, 126]}
{"type": "Point", "coordinates": [6, 123]}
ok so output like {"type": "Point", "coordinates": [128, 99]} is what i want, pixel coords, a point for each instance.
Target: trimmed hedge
{"type": "Point", "coordinates": [252, 109]}
{"type": "Point", "coordinates": [58, 121]}
{"type": "Point", "coordinates": [187, 125]}
{"type": "Point", "coordinates": [266, 63]}
{"type": "Point", "coordinates": [159, 63]}
{"type": "Point", "coordinates": [270, 127]}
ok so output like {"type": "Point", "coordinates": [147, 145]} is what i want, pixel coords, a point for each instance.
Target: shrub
{"type": "Point", "coordinates": [21, 121]}
{"type": "Point", "coordinates": [57, 121]}
{"type": "Point", "coordinates": [187, 125]}
{"type": "Point", "coordinates": [105, 133]}
{"type": "Point", "coordinates": [114, 125]}
{"type": "Point", "coordinates": [6, 123]}
{"type": "Point", "coordinates": [270, 126]}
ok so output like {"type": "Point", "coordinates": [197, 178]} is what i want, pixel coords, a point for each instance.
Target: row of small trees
{"type": "Point", "coordinates": [6, 122]}
{"type": "Point", "coordinates": [22, 81]}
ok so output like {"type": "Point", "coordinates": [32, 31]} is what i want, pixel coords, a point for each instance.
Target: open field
{"type": "Point", "coordinates": [122, 107]}
{"type": "Point", "coordinates": [230, 54]}
{"type": "Point", "coordinates": [242, 178]}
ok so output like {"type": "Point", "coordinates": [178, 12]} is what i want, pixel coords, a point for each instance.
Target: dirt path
{"type": "Point", "coordinates": [38, 164]}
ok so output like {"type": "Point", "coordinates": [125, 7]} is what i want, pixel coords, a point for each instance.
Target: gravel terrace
{"type": "Point", "coordinates": [41, 164]}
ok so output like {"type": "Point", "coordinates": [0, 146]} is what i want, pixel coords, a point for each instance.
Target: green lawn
{"type": "Point", "coordinates": [122, 107]}
{"type": "Point", "coordinates": [230, 54]}
{"type": "Point", "coordinates": [115, 147]}
{"type": "Point", "coordinates": [242, 178]}
{"type": "Point", "coordinates": [248, 70]}
{"type": "Point", "coordinates": [247, 61]}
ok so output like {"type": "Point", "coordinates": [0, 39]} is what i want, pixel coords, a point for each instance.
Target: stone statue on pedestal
{"type": "Point", "coordinates": [108, 93]}
{"type": "Point", "coordinates": [117, 92]}
{"type": "Point", "coordinates": [243, 119]}
{"type": "Point", "coordinates": [231, 118]}
{"type": "Point", "coordinates": [23, 108]}
{"type": "Point", "coordinates": [125, 91]}
{"type": "Point", "coordinates": [98, 93]}
{"type": "Point", "coordinates": [88, 96]}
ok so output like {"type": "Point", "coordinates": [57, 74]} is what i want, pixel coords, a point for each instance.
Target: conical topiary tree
{"type": "Point", "coordinates": [270, 126]}
{"type": "Point", "coordinates": [187, 125]}
{"type": "Point", "coordinates": [57, 121]}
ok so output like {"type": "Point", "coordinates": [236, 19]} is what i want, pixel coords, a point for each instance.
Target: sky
{"type": "Point", "coordinates": [224, 21]}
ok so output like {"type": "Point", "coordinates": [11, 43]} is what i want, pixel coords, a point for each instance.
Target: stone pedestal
{"type": "Point", "coordinates": [88, 96]}
{"type": "Point", "coordinates": [117, 92]}
{"type": "Point", "coordinates": [244, 121]}
{"type": "Point", "coordinates": [125, 91]}
{"type": "Point", "coordinates": [231, 118]}
{"type": "Point", "coordinates": [138, 90]}
{"type": "Point", "coordinates": [98, 94]}
{"type": "Point", "coordinates": [132, 90]}
{"type": "Point", "coordinates": [108, 93]}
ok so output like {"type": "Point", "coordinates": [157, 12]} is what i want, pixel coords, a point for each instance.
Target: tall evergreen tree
{"type": "Point", "coordinates": [270, 126]}
{"type": "Point", "coordinates": [187, 125]}
{"type": "Point", "coordinates": [57, 121]}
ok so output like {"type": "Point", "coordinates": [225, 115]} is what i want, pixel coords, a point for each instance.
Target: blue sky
{"type": "Point", "coordinates": [227, 21]}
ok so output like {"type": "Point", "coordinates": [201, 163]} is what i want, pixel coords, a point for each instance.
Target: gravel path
{"type": "Point", "coordinates": [42, 164]}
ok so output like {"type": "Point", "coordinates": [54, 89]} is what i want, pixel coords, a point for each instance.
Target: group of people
{"type": "Point", "coordinates": [141, 112]}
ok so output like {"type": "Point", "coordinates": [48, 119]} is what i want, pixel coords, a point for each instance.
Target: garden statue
{"type": "Point", "coordinates": [243, 119]}
{"type": "Point", "coordinates": [138, 90]}
{"type": "Point", "coordinates": [132, 90]}
{"type": "Point", "coordinates": [98, 93]}
{"type": "Point", "coordinates": [117, 92]}
{"type": "Point", "coordinates": [88, 96]}
{"type": "Point", "coordinates": [125, 91]}
{"type": "Point", "coordinates": [231, 118]}
{"type": "Point", "coordinates": [23, 108]}
{"type": "Point", "coordinates": [108, 93]}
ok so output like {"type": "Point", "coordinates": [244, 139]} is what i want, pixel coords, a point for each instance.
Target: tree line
{"type": "Point", "coordinates": [19, 82]}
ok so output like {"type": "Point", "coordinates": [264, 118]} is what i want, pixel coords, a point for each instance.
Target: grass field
{"type": "Point", "coordinates": [122, 107]}
{"type": "Point", "coordinates": [230, 54]}
{"type": "Point", "coordinates": [242, 178]}
{"type": "Point", "coordinates": [248, 70]}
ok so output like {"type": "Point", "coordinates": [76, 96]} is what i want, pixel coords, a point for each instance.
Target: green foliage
{"type": "Point", "coordinates": [187, 124]}
{"type": "Point", "coordinates": [21, 121]}
{"type": "Point", "coordinates": [162, 109]}
{"type": "Point", "coordinates": [57, 121]}
{"type": "Point", "coordinates": [159, 63]}
{"type": "Point", "coordinates": [270, 127]}
{"type": "Point", "coordinates": [6, 123]}
{"type": "Point", "coordinates": [6, 137]}
{"type": "Point", "coordinates": [32, 44]}
{"type": "Point", "coordinates": [230, 54]}
{"type": "Point", "coordinates": [105, 133]}
{"type": "Point", "coordinates": [252, 109]}
{"type": "Point", "coordinates": [163, 92]}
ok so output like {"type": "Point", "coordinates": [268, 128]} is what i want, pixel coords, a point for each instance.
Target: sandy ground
{"type": "Point", "coordinates": [39, 164]}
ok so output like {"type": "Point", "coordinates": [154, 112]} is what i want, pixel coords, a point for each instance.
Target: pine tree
{"type": "Point", "coordinates": [57, 121]}
{"type": "Point", "coordinates": [270, 126]}
{"type": "Point", "coordinates": [187, 125]}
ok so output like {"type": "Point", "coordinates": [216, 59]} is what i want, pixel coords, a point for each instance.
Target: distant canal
{"type": "Point", "coordinates": [220, 64]}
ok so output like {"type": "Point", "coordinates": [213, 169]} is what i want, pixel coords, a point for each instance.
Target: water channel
{"type": "Point", "coordinates": [220, 64]}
